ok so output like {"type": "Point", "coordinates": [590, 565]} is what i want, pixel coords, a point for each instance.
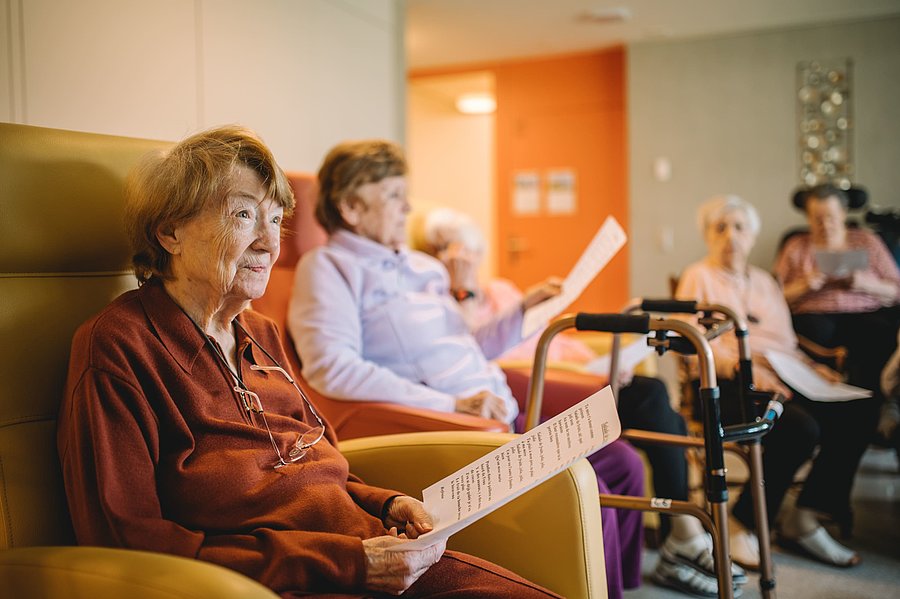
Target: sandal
{"type": "Point", "coordinates": [819, 545]}
{"type": "Point", "coordinates": [696, 553]}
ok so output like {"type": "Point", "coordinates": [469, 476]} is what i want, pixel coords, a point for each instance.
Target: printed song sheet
{"type": "Point", "coordinates": [490, 482]}
{"type": "Point", "coordinates": [605, 244]}
{"type": "Point", "coordinates": [810, 383]}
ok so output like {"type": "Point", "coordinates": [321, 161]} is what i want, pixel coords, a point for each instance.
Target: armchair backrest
{"type": "Point", "coordinates": [63, 256]}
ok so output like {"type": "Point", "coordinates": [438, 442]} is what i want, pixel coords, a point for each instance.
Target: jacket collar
{"type": "Point", "coordinates": [366, 248]}
{"type": "Point", "coordinates": [177, 332]}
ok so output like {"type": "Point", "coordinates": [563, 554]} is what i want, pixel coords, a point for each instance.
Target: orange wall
{"type": "Point", "coordinates": [566, 112]}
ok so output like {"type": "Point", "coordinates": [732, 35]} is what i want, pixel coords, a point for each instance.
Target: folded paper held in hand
{"type": "Point", "coordinates": [494, 480]}
{"type": "Point", "coordinates": [810, 383]}
{"type": "Point", "coordinates": [606, 243]}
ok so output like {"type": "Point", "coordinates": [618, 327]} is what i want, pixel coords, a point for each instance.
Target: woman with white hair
{"type": "Point", "coordinates": [729, 226]}
{"type": "Point", "coordinates": [456, 240]}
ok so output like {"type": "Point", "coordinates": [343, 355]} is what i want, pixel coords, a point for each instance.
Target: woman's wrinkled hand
{"type": "Point", "coordinates": [866, 281]}
{"type": "Point", "coordinates": [815, 280]}
{"type": "Point", "coordinates": [462, 266]}
{"type": "Point", "coordinates": [484, 404]}
{"type": "Point", "coordinates": [395, 571]}
{"type": "Point", "coordinates": [541, 292]}
{"type": "Point", "coordinates": [408, 516]}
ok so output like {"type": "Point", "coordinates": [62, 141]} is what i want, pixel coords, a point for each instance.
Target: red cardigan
{"type": "Point", "coordinates": [158, 454]}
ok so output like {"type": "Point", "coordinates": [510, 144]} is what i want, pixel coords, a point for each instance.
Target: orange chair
{"type": "Point", "coordinates": [350, 419]}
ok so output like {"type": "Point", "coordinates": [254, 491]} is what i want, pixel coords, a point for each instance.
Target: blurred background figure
{"type": "Point", "coordinates": [456, 240]}
{"type": "Point", "coordinates": [686, 561]}
{"type": "Point", "coordinates": [840, 430]}
{"type": "Point", "coordinates": [858, 310]}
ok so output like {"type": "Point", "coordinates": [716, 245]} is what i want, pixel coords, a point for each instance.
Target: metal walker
{"type": "Point", "coordinates": [688, 340]}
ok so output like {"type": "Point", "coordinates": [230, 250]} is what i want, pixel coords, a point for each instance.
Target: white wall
{"type": "Point", "coordinates": [305, 74]}
{"type": "Point", "coordinates": [451, 155]}
{"type": "Point", "coordinates": [723, 110]}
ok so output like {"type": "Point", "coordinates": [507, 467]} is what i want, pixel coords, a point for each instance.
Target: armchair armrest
{"type": "Point", "coordinates": [40, 572]}
{"type": "Point", "coordinates": [835, 357]}
{"type": "Point", "coordinates": [562, 388]}
{"type": "Point", "coordinates": [353, 419]}
{"type": "Point", "coordinates": [551, 535]}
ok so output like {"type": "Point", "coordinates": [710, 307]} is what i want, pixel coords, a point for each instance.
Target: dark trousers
{"type": "Point", "coordinates": [644, 405]}
{"type": "Point", "coordinates": [841, 431]}
{"type": "Point", "coordinates": [870, 339]}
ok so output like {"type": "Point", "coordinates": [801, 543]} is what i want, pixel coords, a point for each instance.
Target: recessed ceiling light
{"type": "Point", "coordinates": [605, 15]}
{"type": "Point", "coordinates": [476, 103]}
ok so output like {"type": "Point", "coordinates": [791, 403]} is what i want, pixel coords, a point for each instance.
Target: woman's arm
{"type": "Point", "coordinates": [796, 280]}
{"type": "Point", "coordinates": [882, 279]}
{"type": "Point", "coordinates": [109, 452]}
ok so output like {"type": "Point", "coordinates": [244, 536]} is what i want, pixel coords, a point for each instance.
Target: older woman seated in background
{"type": "Point", "coordinates": [686, 561]}
{"type": "Point", "coordinates": [858, 310]}
{"type": "Point", "coordinates": [841, 430]}
{"type": "Point", "coordinates": [375, 321]}
{"type": "Point", "coordinates": [163, 440]}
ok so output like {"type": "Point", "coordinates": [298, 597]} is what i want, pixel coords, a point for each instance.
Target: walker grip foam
{"type": "Point", "coordinates": [669, 305]}
{"type": "Point", "coordinates": [613, 323]}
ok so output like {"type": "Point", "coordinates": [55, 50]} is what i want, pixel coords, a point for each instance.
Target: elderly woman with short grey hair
{"type": "Point", "coordinates": [729, 226]}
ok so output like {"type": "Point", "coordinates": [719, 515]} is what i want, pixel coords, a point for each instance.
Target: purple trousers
{"type": "Point", "coordinates": [620, 471]}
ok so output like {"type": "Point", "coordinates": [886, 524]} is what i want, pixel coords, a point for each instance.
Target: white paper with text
{"type": "Point", "coordinates": [605, 244]}
{"type": "Point", "coordinates": [810, 383]}
{"type": "Point", "coordinates": [494, 480]}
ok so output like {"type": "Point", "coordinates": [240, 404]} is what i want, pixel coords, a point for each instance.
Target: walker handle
{"type": "Point", "coordinates": [669, 305]}
{"type": "Point", "coordinates": [613, 323]}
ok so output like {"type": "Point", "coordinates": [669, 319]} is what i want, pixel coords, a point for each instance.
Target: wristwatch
{"type": "Point", "coordinates": [462, 295]}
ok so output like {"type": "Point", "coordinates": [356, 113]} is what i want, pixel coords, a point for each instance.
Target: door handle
{"type": "Point", "coordinates": [516, 245]}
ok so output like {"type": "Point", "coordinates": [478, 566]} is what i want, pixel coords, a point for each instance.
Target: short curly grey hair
{"type": "Point", "coordinates": [716, 207]}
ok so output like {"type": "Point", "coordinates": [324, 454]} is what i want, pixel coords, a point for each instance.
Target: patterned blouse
{"type": "Point", "coordinates": [798, 258]}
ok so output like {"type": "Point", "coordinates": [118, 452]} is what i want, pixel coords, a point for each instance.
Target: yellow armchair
{"type": "Point", "coordinates": [551, 535]}
{"type": "Point", "coordinates": [63, 256]}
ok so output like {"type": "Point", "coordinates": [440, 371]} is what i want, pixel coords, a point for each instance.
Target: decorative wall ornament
{"type": "Point", "coordinates": [825, 122]}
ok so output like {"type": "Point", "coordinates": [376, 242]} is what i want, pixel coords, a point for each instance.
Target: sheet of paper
{"type": "Point", "coordinates": [561, 198]}
{"type": "Point", "coordinates": [494, 480]}
{"type": "Point", "coordinates": [842, 263]}
{"type": "Point", "coordinates": [605, 244]}
{"type": "Point", "coordinates": [629, 357]}
{"type": "Point", "coordinates": [526, 193]}
{"type": "Point", "coordinates": [810, 383]}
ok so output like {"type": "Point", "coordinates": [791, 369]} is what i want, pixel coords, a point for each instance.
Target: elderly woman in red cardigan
{"type": "Point", "coordinates": [163, 439]}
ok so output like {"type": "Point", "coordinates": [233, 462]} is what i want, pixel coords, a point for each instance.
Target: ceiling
{"type": "Point", "coordinates": [442, 33]}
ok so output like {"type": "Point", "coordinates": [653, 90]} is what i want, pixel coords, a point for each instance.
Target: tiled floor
{"type": "Point", "coordinates": [876, 501]}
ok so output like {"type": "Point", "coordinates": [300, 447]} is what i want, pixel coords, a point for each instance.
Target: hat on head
{"type": "Point", "coordinates": [856, 197]}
